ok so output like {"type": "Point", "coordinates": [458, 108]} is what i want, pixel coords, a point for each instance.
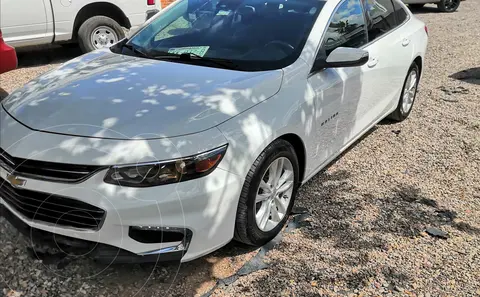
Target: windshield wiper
{"type": "Point", "coordinates": [223, 63]}
{"type": "Point", "coordinates": [136, 50]}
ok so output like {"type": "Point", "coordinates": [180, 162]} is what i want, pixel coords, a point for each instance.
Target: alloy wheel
{"type": "Point", "coordinates": [451, 5]}
{"type": "Point", "coordinates": [274, 194]}
{"type": "Point", "coordinates": [409, 91]}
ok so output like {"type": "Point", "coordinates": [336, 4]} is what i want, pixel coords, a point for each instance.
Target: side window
{"type": "Point", "coordinates": [380, 17]}
{"type": "Point", "coordinates": [400, 13]}
{"type": "Point", "coordinates": [347, 28]}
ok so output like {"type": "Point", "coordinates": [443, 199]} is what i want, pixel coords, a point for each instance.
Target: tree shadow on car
{"type": "Point", "coordinates": [193, 278]}
{"type": "Point", "coordinates": [198, 276]}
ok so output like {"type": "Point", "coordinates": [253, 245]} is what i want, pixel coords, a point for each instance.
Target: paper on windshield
{"type": "Point", "coordinates": [224, 12]}
{"type": "Point", "coordinates": [197, 50]}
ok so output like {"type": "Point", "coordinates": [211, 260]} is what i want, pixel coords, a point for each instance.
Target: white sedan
{"type": "Point", "coordinates": [200, 127]}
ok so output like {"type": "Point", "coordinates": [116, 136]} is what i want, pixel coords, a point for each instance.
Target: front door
{"type": "Point", "coordinates": [338, 90]}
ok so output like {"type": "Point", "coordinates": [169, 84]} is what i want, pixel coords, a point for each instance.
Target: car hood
{"type": "Point", "coordinates": [107, 95]}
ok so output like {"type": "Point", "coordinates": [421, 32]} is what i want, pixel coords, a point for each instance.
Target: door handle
{"type": "Point", "coordinates": [406, 42]}
{"type": "Point", "coordinates": [372, 63]}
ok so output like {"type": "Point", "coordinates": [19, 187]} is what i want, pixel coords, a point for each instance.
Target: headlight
{"type": "Point", "coordinates": [165, 172]}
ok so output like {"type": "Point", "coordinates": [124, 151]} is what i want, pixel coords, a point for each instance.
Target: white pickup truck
{"type": "Point", "coordinates": [92, 23]}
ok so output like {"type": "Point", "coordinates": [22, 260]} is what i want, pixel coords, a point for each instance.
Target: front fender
{"type": "Point", "coordinates": [290, 111]}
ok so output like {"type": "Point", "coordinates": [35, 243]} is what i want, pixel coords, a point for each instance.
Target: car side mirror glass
{"type": "Point", "coordinates": [347, 57]}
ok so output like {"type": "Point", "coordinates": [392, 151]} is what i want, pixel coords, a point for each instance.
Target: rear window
{"type": "Point", "coordinates": [380, 17]}
{"type": "Point", "coordinates": [400, 14]}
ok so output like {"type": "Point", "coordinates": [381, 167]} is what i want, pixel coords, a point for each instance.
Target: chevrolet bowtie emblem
{"type": "Point", "coordinates": [16, 181]}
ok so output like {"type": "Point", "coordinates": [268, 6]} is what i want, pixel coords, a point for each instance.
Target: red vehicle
{"type": "Point", "coordinates": [8, 57]}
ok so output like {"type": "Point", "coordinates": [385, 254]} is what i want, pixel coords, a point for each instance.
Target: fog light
{"type": "Point", "coordinates": [156, 234]}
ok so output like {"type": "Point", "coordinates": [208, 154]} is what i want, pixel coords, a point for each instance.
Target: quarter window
{"type": "Point", "coordinates": [380, 17]}
{"type": "Point", "coordinates": [347, 28]}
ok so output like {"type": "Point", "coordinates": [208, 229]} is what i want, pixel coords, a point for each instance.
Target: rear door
{"type": "Point", "coordinates": [25, 22]}
{"type": "Point", "coordinates": [390, 57]}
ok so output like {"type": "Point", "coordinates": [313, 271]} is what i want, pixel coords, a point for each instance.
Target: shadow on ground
{"type": "Point", "coordinates": [44, 55]}
{"type": "Point", "coordinates": [471, 75]}
{"type": "Point", "coordinates": [338, 218]}
{"type": "Point", "coordinates": [345, 237]}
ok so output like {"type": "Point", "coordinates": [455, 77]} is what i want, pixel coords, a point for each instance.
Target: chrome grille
{"type": "Point", "coordinates": [51, 171]}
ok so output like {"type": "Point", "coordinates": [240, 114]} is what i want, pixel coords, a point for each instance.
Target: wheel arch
{"type": "Point", "coordinates": [419, 61]}
{"type": "Point", "coordinates": [299, 147]}
{"type": "Point", "coordinates": [99, 9]}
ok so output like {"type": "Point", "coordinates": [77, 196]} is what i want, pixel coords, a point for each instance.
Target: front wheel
{"type": "Point", "coordinates": [99, 32]}
{"type": "Point", "coordinates": [448, 5]}
{"type": "Point", "coordinates": [268, 194]}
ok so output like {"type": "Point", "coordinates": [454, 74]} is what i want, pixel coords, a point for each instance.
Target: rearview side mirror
{"type": "Point", "coordinates": [347, 57]}
{"type": "Point", "coordinates": [343, 57]}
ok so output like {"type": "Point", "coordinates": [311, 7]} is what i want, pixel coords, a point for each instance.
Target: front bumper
{"type": "Point", "coordinates": [204, 208]}
{"type": "Point", "coordinates": [71, 246]}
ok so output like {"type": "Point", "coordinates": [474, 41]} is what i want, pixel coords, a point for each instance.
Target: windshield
{"type": "Point", "coordinates": [252, 34]}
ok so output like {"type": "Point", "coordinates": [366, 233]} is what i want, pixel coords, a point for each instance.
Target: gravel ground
{"type": "Point", "coordinates": [369, 210]}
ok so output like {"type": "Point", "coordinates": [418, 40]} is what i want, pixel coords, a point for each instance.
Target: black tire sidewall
{"type": "Point", "coordinates": [275, 150]}
{"type": "Point", "coordinates": [398, 115]}
{"type": "Point", "coordinates": [403, 114]}
{"type": "Point", "coordinates": [86, 29]}
{"type": "Point", "coordinates": [442, 7]}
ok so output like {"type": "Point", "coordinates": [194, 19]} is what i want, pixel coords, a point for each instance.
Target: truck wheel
{"type": "Point", "coordinates": [448, 5]}
{"type": "Point", "coordinates": [99, 32]}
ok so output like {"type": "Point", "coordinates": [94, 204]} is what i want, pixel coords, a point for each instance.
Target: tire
{"type": "Point", "coordinates": [448, 5]}
{"type": "Point", "coordinates": [416, 6]}
{"type": "Point", "coordinates": [247, 230]}
{"type": "Point", "coordinates": [93, 24]}
{"type": "Point", "coordinates": [400, 114]}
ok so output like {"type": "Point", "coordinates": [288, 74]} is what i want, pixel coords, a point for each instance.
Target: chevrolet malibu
{"type": "Point", "coordinates": [200, 127]}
